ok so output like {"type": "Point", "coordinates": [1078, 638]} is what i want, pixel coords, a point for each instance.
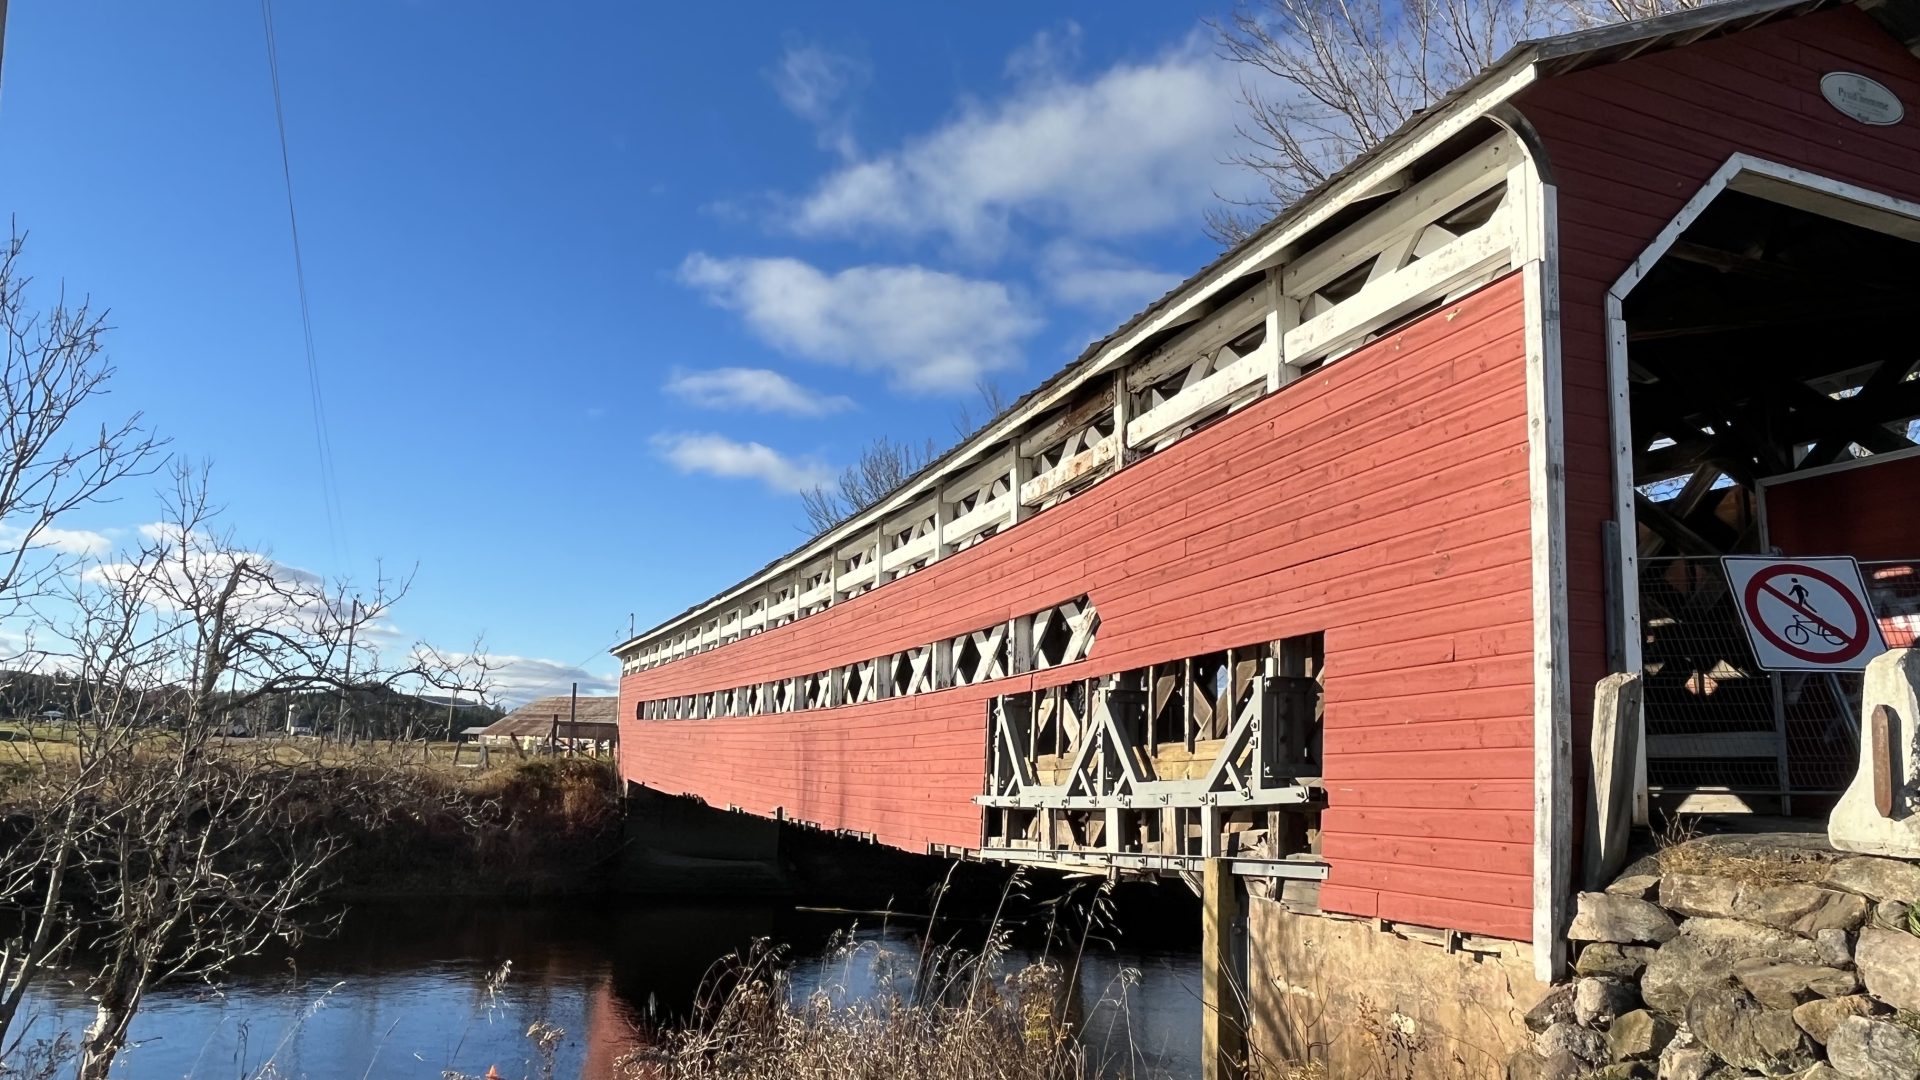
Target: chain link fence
{"type": "Point", "coordinates": [1716, 722]}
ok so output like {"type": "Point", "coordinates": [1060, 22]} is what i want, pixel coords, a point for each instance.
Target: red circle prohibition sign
{"type": "Point", "coordinates": [1855, 643]}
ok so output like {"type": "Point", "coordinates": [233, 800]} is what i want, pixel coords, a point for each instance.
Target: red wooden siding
{"type": "Point", "coordinates": [1631, 142]}
{"type": "Point", "coordinates": [1865, 512]}
{"type": "Point", "coordinates": [1381, 500]}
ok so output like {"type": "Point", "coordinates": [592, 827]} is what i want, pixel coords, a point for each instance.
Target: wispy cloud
{"type": "Point", "coordinates": [1093, 277]}
{"type": "Point", "coordinates": [931, 331]}
{"type": "Point", "coordinates": [61, 541]}
{"type": "Point", "coordinates": [1133, 148]}
{"type": "Point", "coordinates": [819, 86]}
{"type": "Point", "coordinates": [519, 679]}
{"type": "Point", "coordinates": [717, 455]}
{"type": "Point", "coordinates": [753, 389]}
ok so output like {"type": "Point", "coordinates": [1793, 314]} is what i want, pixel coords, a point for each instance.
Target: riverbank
{"type": "Point", "coordinates": [543, 827]}
{"type": "Point", "coordinates": [394, 825]}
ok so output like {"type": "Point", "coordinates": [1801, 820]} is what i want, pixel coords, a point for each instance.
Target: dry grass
{"type": "Point", "coordinates": [951, 1017]}
{"type": "Point", "coordinates": [1680, 849]}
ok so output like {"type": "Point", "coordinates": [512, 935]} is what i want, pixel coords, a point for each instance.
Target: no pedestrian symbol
{"type": "Point", "coordinates": [1805, 614]}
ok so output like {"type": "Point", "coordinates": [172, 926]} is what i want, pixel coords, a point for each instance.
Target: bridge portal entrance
{"type": "Point", "coordinates": [1764, 348]}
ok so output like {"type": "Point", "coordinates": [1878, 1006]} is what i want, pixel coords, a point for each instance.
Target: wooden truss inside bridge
{"type": "Point", "coordinates": [1211, 756]}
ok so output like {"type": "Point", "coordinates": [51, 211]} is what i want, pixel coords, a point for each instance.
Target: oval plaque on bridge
{"type": "Point", "coordinates": [1861, 98]}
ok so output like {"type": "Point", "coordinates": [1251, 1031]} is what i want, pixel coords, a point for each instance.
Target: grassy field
{"type": "Point", "coordinates": [27, 743]}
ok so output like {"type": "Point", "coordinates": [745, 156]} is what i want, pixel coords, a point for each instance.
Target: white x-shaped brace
{"type": "Point", "coordinates": [988, 662]}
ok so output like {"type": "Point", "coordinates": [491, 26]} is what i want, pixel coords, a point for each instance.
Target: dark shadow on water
{"type": "Point", "coordinates": [403, 988]}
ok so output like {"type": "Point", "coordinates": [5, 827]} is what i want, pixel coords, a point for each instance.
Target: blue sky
{"type": "Point", "coordinates": [595, 287]}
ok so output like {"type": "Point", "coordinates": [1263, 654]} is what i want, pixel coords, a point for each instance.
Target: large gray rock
{"type": "Point", "coordinates": [1803, 909]}
{"type": "Point", "coordinates": [1782, 986]}
{"type": "Point", "coordinates": [1889, 963]}
{"type": "Point", "coordinates": [1879, 879]}
{"type": "Point", "coordinates": [1526, 1065]}
{"type": "Point", "coordinates": [1564, 1066]}
{"type": "Point", "coordinates": [1620, 919]}
{"type": "Point", "coordinates": [1835, 948]}
{"type": "Point", "coordinates": [1891, 914]}
{"type": "Point", "coordinates": [1596, 1001]}
{"type": "Point", "coordinates": [1746, 1035]}
{"type": "Point", "coordinates": [1863, 1049]}
{"type": "Point", "coordinates": [1637, 886]}
{"type": "Point", "coordinates": [1687, 1063]}
{"type": "Point", "coordinates": [1588, 1046]}
{"type": "Point", "coordinates": [1614, 961]}
{"type": "Point", "coordinates": [1704, 954]}
{"type": "Point", "coordinates": [1623, 1070]}
{"type": "Point", "coordinates": [1554, 1007]}
{"type": "Point", "coordinates": [1638, 1036]}
{"type": "Point", "coordinates": [1819, 1018]}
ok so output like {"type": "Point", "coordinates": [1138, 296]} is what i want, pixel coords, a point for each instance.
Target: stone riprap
{"type": "Point", "coordinates": [1739, 963]}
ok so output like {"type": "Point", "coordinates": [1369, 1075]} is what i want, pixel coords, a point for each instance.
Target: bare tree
{"type": "Point", "coordinates": [154, 850]}
{"type": "Point", "coordinates": [882, 467]}
{"type": "Point", "coordinates": [992, 402]}
{"type": "Point", "coordinates": [54, 374]}
{"type": "Point", "coordinates": [457, 673]}
{"type": "Point", "coordinates": [1334, 78]}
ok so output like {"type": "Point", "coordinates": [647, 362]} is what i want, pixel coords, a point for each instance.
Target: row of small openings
{"type": "Point", "coordinates": [1062, 634]}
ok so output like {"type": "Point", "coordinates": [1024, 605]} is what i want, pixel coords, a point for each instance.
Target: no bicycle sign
{"type": "Point", "coordinates": [1805, 614]}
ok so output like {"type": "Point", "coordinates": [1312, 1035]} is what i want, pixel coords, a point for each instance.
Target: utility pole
{"type": "Point", "coordinates": [573, 718]}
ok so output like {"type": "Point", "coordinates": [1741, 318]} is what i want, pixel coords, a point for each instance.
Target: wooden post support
{"type": "Point", "coordinates": [1222, 1025]}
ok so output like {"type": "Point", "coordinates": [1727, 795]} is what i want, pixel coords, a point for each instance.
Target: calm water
{"type": "Point", "coordinates": [404, 990]}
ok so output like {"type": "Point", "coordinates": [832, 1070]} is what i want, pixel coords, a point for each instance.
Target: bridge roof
{"type": "Point", "coordinates": [1355, 183]}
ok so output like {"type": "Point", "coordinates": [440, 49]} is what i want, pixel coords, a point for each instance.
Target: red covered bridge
{"type": "Point", "coordinates": [1313, 565]}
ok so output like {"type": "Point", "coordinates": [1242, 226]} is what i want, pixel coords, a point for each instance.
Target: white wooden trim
{"type": "Point", "coordinates": [1070, 471]}
{"type": "Point", "coordinates": [1202, 397]}
{"type": "Point", "coordinates": [1452, 186]}
{"type": "Point", "coordinates": [1229, 323]}
{"type": "Point", "coordinates": [1404, 289]}
{"type": "Point", "coordinates": [1535, 218]}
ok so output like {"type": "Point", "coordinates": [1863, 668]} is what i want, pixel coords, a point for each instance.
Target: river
{"type": "Point", "coordinates": [412, 990]}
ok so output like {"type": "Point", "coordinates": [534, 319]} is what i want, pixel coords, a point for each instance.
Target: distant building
{"type": "Point", "coordinates": [560, 724]}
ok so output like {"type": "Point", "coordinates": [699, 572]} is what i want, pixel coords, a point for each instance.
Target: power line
{"type": "Point", "coordinates": [329, 485]}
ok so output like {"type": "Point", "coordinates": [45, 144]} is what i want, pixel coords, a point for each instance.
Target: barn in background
{"type": "Point", "coordinates": [1302, 580]}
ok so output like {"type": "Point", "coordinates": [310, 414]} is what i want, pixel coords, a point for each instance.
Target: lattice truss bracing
{"type": "Point", "coordinates": [1411, 241]}
{"type": "Point", "coordinates": [1062, 634]}
{"type": "Point", "coordinates": [1213, 755]}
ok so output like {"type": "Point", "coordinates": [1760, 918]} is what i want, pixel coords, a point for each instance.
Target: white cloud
{"type": "Point", "coordinates": [756, 389]}
{"type": "Point", "coordinates": [929, 330]}
{"type": "Point", "coordinates": [1136, 147]}
{"type": "Point", "coordinates": [1046, 55]}
{"type": "Point", "coordinates": [818, 86]}
{"type": "Point", "coordinates": [82, 542]}
{"type": "Point", "coordinates": [717, 455]}
{"type": "Point", "coordinates": [519, 679]}
{"type": "Point", "coordinates": [1089, 276]}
